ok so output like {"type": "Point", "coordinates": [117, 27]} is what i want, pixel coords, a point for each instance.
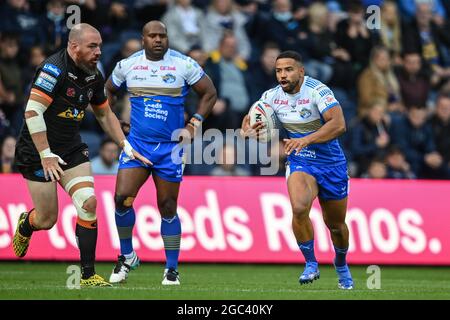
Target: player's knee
{"type": "Point", "coordinates": [336, 229]}
{"type": "Point", "coordinates": [167, 207]}
{"type": "Point", "coordinates": [123, 203]}
{"type": "Point", "coordinates": [86, 204]}
{"type": "Point", "coordinates": [300, 210]}
{"type": "Point", "coordinates": [90, 205]}
{"type": "Point", "coordinates": [48, 222]}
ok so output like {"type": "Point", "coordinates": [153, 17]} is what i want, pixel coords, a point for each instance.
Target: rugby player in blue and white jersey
{"type": "Point", "coordinates": [157, 79]}
{"type": "Point", "coordinates": [316, 167]}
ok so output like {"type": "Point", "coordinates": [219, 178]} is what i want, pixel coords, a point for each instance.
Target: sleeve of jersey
{"type": "Point", "coordinates": [118, 74]}
{"type": "Point", "coordinates": [45, 84]}
{"type": "Point", "coordinates": [325, 99]}
{"type": "Point", "coordinates": [193, 72]}
{"type": "Point", "coordinates": [99, 99]}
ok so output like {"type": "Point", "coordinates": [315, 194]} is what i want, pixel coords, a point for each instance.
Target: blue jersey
{"type": "Point", "coordinates": [301, 114]}
{"type": "Point", "coordinates": [157, 92]}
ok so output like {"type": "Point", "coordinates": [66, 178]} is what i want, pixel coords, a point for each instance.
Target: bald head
{"type": "Point", "coordinates": [77, 33]}
{"type": "Point", "coordinates": [154, 40]}
{"type": "Point", "coordinates": [153, 25]}
{"type": "Point", "coordinates": [84, 47]}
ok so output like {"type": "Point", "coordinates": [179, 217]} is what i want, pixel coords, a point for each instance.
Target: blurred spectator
{"type": "Point", "coordinates": [378, 83]}
{"type": "Point", "coordinates": [283, 29]}
{"type": "Point", "coordinates": [397, 166]}
{"type": "Point", "coordinates": [110, 17]}
{"type": "Point", "coordinates": [128, 48]}
{"type": "Point", "coordinates": [54, 25]}
{"type": "Point", "coordinates": [370, 136]}
{"type": "Point", "coordinates": [37, 55]}
{"type": "Point", "coordinates": [4, 125]}
{"type": "Point", "coordinates": [11, 83]}
{"type": "Point", "coordinates": [321, 43]}
{"type": "Point", "coordinates": [107, 162]}
{"type": "Point", "coordinates": [391, 31]}
{"type": "Point", "coordinates": [147, 10]}
{"type": "Point", "coordinates": [16, 17]}
{"type": "Point", "coordinates": [376, 170]}
{"type": "Point", "coordinates": [261, 75]}
{"type": "Point", "coordinates": [409, 8]}
{"type": "Point", "coordinates": [432, 39]}
{"type": "Point", "coordinates": [440, 122]}
{"type": "Point", "coordinates": [7, 155]}
{"type": "Point", "coordinates": [415, 138]}
{"type": "Point", "coordinates": [414, 82]}
{"type": "Point", "coordinates": [227, 71]}
{"type": "Point", "coordinates": [220, 117]}
{"type": "Point", "coordinates": [221, 17]}
{"type": "Point", "coordinates": [278, 156]}
{"type": "Point", "coordinates": [185, 25]}
{"type": "Point", "coordinates": [353, 35]}
{"type": "Point", "coordinates": [227, 165]}
{"type": "Point", "coordinates": [191, 102]}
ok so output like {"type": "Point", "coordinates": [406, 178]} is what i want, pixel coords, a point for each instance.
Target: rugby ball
{"type": "Point", "coordinates": [263, 112]}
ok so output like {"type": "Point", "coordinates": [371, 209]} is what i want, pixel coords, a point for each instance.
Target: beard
{"type": "Point", "coordinates": [88, 69]}
{"type": "Point", "coordinates": [289, 88]}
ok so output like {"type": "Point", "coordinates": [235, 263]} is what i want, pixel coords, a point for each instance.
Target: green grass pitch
{"type": "Point", "coordinates": [36, 280]}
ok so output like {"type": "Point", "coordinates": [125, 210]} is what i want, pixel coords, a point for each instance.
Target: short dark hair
{"type": "Point", "coordinates": [443, 95]}
{"type": "Point", "coordinates": [394, 149]}
{"type": "Point", "coordinates": [105, 141]}
{"type": "Point", "coordinates": [291, 55]}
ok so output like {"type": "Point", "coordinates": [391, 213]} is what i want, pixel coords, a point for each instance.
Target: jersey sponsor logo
{"type": "Point", "coordinates": [47, 77]}
{"type": "Point", "coordinates": [167, 68]}
{"type": "Point", "coordinates": [154, 73]}
{"type": "Point", "coordinates": [138, 78]}
{"type": "Point", "coordinates": [72, 76]}
{"type": "Point", "coordinates": [153, 109]}
{"type": "Point", "coordinates": [140, 68]}
{"type": "Point", "coordinates": [44, 84]}
{"type": "Point", "coordinates": [70, 92]}
{"type": "Point", "coordinates": [168, 78]}
{"type": "Point", "coordinates": [280, 101]}
{"type": "Point", "coordinates": [329, 101]}
{"type": "Point", "coordinates": [72, 113]}
{"type": "Point", "coordinates": [52, 69]}
{"type": "Point", "coordinates": [302, 101]}
{"type": "Point", "coordinates": [305, 113]}
{"type": "Point", "coordinates": [307, 153]}
{"type": "Point", "coordinates": [89, 78]}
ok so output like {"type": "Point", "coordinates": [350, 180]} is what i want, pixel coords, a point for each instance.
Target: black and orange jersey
{"type": "Point", "coordinates": [67, 90]}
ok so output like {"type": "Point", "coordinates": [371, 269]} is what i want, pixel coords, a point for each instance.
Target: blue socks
{"type": "Point", "coordinates": [307, 249]}
{"type": "Point", "coordinates": [171, 235]}
{"type": "Point", "coordinates": [341, 253]}
{"type": "Point", "coordinates": [125, 222]}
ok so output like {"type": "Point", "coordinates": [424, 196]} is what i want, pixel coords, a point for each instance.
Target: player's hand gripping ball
{"type": "Point", "coordinates": [261, 112]}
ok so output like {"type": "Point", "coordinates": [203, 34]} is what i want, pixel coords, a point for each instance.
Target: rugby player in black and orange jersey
{"type": "Point", "coordinates": [50, 149]}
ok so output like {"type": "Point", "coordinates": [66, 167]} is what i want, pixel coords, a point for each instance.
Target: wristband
{"type": "Point", "coordinates": [46, 153]}
{"type": "Point", "coordinates": [199, 117]}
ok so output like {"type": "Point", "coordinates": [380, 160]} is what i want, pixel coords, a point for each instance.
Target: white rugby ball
{"type": "Point", "coordinates": [263, 112]}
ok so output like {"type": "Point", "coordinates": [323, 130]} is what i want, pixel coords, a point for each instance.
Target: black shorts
{"type": "Point", "coordinates": [32, 170]}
